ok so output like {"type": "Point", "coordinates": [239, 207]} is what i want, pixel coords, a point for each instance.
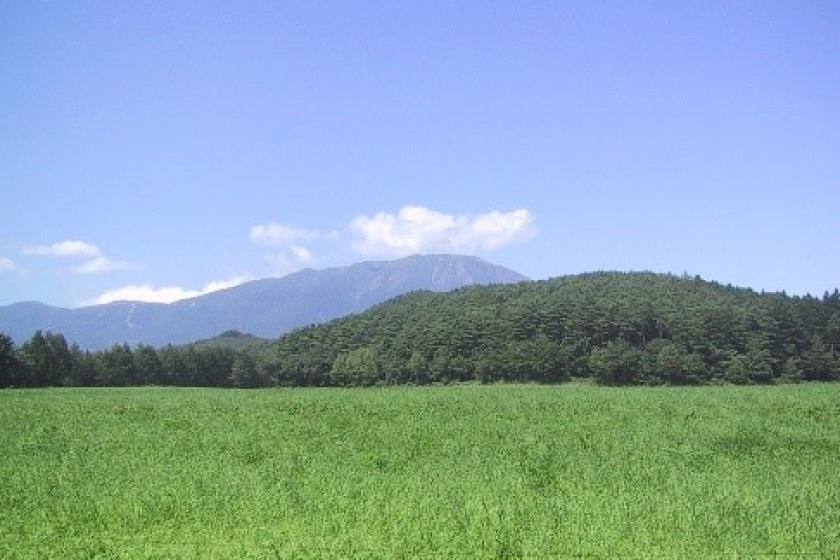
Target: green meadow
{"type": "Point", "coordinates": [471, 471]}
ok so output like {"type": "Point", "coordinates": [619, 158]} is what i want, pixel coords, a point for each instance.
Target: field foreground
{"type": "Point", "coordinates": [449, 472]}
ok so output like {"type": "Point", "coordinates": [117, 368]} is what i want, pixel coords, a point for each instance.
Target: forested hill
{"type": "Point", "coordinates": [233, 340]}
{"type": "Point", "coordinates": [615, 327]}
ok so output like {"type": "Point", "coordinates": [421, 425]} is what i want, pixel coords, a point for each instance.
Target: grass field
{"type": "Point", "coordinates": [437, 472]}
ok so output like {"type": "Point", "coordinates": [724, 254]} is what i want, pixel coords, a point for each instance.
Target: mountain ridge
{"type": "Point", "coordinates": [267, 307]}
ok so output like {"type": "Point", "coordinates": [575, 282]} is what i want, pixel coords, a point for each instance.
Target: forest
{"type": "Point", "coordinates": [614, 328]}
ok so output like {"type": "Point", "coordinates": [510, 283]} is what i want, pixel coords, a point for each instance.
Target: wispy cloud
{"type": "Point", "coordinates": [165, 294]}
{"type": "Point", "coordinates": [96, 262]}
{"type": "Point", "coordinates": [288, 255]}
{"type": "Point", "coordinates": [8, 265]}
{"type": "Point", "coordinates": [294, 259]}
{"type": "Point", "coordinates": [67, 248]}
{"type": "Point", "coordinates": [416, 229]}
{"type": "Point", "coordinates": [302, 254]}
{"type": "Point", "coordinates": [99, 265]}
{"type": "Point", "coordinates": [279, 234]}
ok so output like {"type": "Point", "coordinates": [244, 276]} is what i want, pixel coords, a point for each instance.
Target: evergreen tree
{"type": "Point", "coordinates": [244, 372]}
{"type": "Point", "coordinates": [116, 367]}
{"type": "Point", "coordinates": [8, 360]}
{"type": "Point", "coordinates": [616, 363]}
{"type": "Point", "coordinates": [357, 367]}
{"type": "Point", "coordinates": [818, 361]}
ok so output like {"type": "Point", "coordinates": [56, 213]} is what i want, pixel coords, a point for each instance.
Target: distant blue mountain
{"type": "Point", "coordinates": [265, 308]}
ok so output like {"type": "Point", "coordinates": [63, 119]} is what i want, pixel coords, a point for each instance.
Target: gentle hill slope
{"type": "Point", "coordinates": [264, 308]}
{"type": "Point", "coordinates": [617, 327]}
{"type": "Point", "coordinates": [233, 340]}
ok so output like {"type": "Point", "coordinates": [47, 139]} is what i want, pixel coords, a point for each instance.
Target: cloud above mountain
{"type": "Point", "coordinates": [165, 294]}
{"type": "Point", "coordinates": [417, 229]}
{"type": "Point", "coordinates": [288, 248]}
{"type": "Point", "coordinates": [96, 262]}
{"type": "Point", "coordinates": [67, 248]}
{"type": "Point", "coordinates": [278, 234]}
{"type": "Point", "coordinates": [8, 265]}
{"type": "Point", "coordinates": [99, 264]}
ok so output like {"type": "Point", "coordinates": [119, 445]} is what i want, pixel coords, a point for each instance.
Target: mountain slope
{"type": "Point", "coordinates": [264, 308]}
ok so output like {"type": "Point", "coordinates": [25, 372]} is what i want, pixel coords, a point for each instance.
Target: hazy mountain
{"type": "Point", "coordinates": [265, 308]}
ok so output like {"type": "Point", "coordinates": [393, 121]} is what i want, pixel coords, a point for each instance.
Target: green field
{"type": "Point", "coordinates": [436, 472]}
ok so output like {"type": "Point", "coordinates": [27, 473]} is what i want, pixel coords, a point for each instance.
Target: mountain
{"type": "Point", "coordinates": [264, 308]}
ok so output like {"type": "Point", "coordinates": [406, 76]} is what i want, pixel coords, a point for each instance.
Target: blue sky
{"type": "Point", "coordinates": [157, 150]}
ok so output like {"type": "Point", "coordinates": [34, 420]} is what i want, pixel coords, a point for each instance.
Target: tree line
{"type": "Point", "coordinates": [47, 360]}
{"type": "Point", "coordinates": [616, 328]}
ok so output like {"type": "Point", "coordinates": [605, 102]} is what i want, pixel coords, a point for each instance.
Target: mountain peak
{"type": "Point", "coordinates": [266, 308]}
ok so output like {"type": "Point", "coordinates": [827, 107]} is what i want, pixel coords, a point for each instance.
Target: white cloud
{"type": "Point", "coordinates": [100, 264]}
{"type": "Point", "coordinates": [217, 285]}
{"type": "Point", "coordinates": [292, 256]}
{"type": "Point", "coordinates": [416, 229]}
{"type": "Point", "coordinates": [495, 229]}
{"type": "Point", "coordinates": [166, 294]}
{"type": "Point", "coordinates": [8, 265]}
{"type": "Point", "coordinates": [291, 261]}
{"type": "Point", "coordinates": [302, 254]}
{"type": "Point", "coordinates": [96, 262]}
{"type": "Point", "coordinates": [278, 234]}
{"type": "Point", "coordinates": [67, 248]}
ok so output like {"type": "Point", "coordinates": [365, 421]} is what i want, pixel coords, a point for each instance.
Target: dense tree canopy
{"type": "Point", "coordinates": [617, 328]}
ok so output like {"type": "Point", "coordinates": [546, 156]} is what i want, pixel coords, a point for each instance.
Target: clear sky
{"type": "Point", "coordinates": [155, 150]}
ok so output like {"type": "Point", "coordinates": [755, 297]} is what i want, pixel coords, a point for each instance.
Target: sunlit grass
{"type": "Point", "coordinates": [468, 471]}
